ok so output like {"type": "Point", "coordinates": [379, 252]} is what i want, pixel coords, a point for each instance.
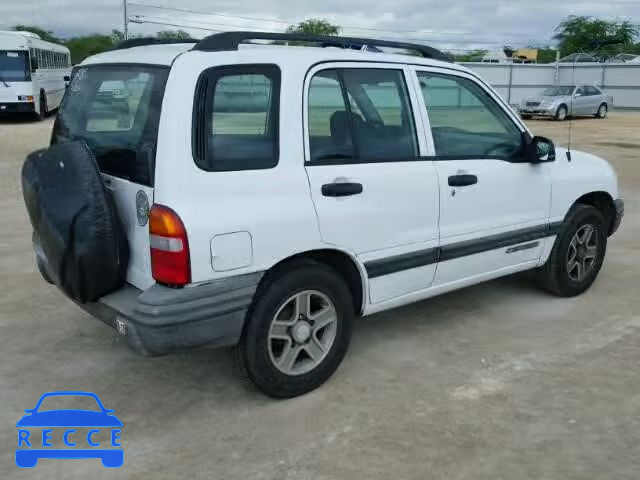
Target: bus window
{"type": "Point", "coordinates": [14, 67]}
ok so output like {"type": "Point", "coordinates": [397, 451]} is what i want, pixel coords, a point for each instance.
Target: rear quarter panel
{"type": "Point", "coordinates": [273, 205]}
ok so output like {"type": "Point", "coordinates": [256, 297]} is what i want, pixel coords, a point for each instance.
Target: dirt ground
{"type": "Point", "coordinates": [497, 381]}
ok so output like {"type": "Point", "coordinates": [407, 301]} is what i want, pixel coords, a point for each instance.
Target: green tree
{"type": "Point", "coordinates": [43, 34]}
{"type": "Point", "coordinates": [588, 34]}
{"type": "Point", "coordinates": [315, 26]}
{"type": "Point", "coordinates": [117, 36]}
{"type": "Point", "coordinates": [174, 35]}
{"type": "Point", "coordinates": [82, 47]}
{"type": "Point", "coordinates": [546, 54]}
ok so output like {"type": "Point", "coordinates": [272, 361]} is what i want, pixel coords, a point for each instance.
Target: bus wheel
{"type": "Point", "coordinates": [42, 108]}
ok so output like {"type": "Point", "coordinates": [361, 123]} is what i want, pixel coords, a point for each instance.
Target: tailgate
{"type": "Point", "coordinates": [115, 110]}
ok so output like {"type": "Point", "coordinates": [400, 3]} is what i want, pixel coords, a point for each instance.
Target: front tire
{"type": "Point", "coordinates": [577, 254]}
{"type": "Point", "coordinates": [42, 108]}
{"type": "Point", "coordinates": [561, 113]}
{"type": "Point", "coordinates": [602, 111]}
{"type": "Point", "coordinates": [298, 330]}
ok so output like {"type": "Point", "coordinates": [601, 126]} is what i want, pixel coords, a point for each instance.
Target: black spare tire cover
{"type": "Point", "coordinates": [75, 221]}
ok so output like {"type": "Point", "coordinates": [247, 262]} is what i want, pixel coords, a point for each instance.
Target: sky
{"type": "Point", "coordinates": [447, 24]}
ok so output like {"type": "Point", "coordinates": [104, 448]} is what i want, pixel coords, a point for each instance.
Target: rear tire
{"type": "Point", "coordinates": [577, 254]}
{"type": "Point", "coordinates": [281, 351]}
{"type": "Point", "coordinates": [561, 113]}
{"type": "Point", "coordinates": [525, 117]}
{"type": "Point", "coordinates": [602, 111]}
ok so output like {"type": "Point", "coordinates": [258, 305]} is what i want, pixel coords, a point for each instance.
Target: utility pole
{"type": "Point", "coordinates": [126, 20]}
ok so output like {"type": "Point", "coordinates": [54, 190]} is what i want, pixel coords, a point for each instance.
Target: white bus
{"type": "Point", "coordinates": [33, 73]}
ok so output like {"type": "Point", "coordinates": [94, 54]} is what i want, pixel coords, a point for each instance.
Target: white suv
{"type": "Point", "coordinates": [270, 194]}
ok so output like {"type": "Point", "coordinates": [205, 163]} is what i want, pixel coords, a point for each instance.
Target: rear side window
{"type": "Point", "coordinates": [115, 110]}
{"type": "Point", "coordinates": [592, 91]}
{"type": "Point", "coordinates": [236, 118]}
{"type": "Point", "coordinates": [360, 116]}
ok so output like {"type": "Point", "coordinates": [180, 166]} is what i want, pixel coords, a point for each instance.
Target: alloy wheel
{"type": "Point", "coordinates": [582, 253]}
{"type": "Point", "coordinates": [302, 332]}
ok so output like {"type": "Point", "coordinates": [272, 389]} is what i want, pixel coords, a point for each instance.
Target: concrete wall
{"type": "Point", "coordinates": [518, 81]}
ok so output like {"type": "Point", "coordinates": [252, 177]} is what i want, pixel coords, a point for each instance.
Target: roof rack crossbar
{"type": "Point", "coordinates": [229, 41]}
{"type": "Point", "coordinates": [144, 41]}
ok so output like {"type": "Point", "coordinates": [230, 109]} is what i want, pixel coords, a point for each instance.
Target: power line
{"type": "Point", "coordinates": [431, 40]}
{"type": "Point", "coordinates": [289, 22]}
{"type": "Point", "coordinates": [140, 19]}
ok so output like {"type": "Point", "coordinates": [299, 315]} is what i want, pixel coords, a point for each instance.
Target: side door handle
{"type": "Point", "coordinates": [341, 189]}
{"type": "Point", "coordinates": [462, 180]}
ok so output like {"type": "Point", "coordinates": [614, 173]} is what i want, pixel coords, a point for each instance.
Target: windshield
{"type": "Point", "coordinates": [115, 110]}
{"type": "Point", "coordinates": [14, 66]}
{"type": "Point", "coordinates": [557, 91]}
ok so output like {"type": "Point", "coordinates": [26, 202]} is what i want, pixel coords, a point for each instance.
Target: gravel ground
{"type": "Point", "coordinates": [497, 381]}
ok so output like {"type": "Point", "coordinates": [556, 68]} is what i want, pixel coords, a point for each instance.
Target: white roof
{"type": "Point", "coordinates": [21, 33]}
{"type": "Point", "coordinates": [10, 40]}
{"type": "Point", "coordinates": [165, 54]}
{"type": "Point", "coordinates": [150, 54]}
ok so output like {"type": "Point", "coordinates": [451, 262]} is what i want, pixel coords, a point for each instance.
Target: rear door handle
{"type": "Point", "coordinates": [462, 180]}
{"type": "Point", "coordinates": [341, 189]}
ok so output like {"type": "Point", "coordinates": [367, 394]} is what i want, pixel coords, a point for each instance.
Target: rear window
{"type": "Point", "coordinates": [236, 118]}
{"type": "Point", "coordinates": [116, 111]}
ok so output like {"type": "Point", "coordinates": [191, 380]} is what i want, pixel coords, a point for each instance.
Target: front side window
{"type": "Point", "coordinates": [360, 115]}
{"type": "Point", "coordinates": [466, 122]}
{"type": "Point", "coordinates": [115, 110]}
{"type": "Point", "coordinates": [236, 114]}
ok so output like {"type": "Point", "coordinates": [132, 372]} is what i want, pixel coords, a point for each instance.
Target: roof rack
{"type": "Point", "coordinates": [143, 41]}
{"type": "Point", "coordinates": [226, 41]}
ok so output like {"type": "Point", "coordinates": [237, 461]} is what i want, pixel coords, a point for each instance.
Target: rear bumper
{"type": "Point", "coordinates": [162, 320]}
{"type": "Point", "coordinates": [17, 107]}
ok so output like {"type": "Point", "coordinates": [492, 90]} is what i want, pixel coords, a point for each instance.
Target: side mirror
{"type": "Point", "coordinates": [67, 78]}
{"type": "Point", "coordinates": [540, 150]}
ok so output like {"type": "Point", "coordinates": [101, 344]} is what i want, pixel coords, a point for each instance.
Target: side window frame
{"type": "Point", "coordinates": [490, 95]}
{"type": "Point", "coordinates": [203, 110]}
{"type": "Point", "coordinates": [422, 145]}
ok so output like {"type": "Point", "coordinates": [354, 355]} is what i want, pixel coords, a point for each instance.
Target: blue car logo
{"type": "Point", "coordinates": [36, 433]}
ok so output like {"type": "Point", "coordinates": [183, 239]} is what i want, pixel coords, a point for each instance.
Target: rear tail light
{"type": "Point", "coordinates": [170, 263]}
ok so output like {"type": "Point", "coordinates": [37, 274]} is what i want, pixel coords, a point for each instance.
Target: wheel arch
{"type": "Point", "coordinates": [345, 264]}
{"type": "Point", "coordinates": [603, 202]}
{"type": "Point", "coordinates": [566, 108]}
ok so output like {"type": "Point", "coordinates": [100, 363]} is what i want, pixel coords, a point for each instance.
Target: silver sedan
{"type": "Point", "coordinates": [562, 101]}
